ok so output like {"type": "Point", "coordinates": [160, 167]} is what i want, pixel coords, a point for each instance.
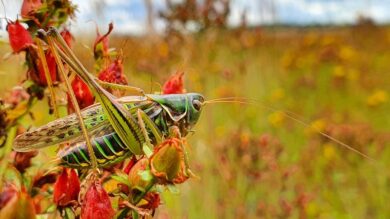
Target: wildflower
{"type": "Point", "coordinates": [114, 73]}
{"type": "Point", "coordinates": [29, 6]}
{"type": "Point", "coordinates": [167, 162]}
{"type": "Point", "coordinates": [8, 192]}
{"type": "Point", "coordinates": [377, 98]}
{"type": "Point", "coordinates": [67, 37]}
{"type": "Point", "coordinates": [174, 85]}
{"type": "Point", "coordinates": [100, 46]}
{"type": "Point", "coordinates": [52, 66]}
{"type": "Point", "coordinates": [139, 176]}
{"type": "Point", "coordinates": [96, 203]}
{"type": "Point", "coordinates": [23, 160]}
{"type": "Point", "coordinates": [66, 188]}
{"type": "Point", "coordinates": [83, 94]}
{"type": "Point", "coordinates": [152, 199]}
{"type": "Point", "coordinates": [20, 206]}
{"type": "Point", "coordinates": [19, 37]}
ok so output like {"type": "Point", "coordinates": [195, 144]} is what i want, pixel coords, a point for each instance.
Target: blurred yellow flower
{"type": "Point", "coordinates": [316, 126]}
{"type": "Point", "coordinates": [378, 97]}
{"type": "Point", "coordinates": [339, 71]}
{"type": "Point", "coordinates": [277, 95]}
{"type": "Point", "coordinates": [348, 53]}
{"type": "Point", "coordinates": [329, 152]}
{"type": "Point", "coordinates": [276, 119]}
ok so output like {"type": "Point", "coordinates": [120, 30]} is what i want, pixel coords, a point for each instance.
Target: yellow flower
{"type": "Point", "coordinates": [316, 126]}
{"type": "Point", "coordinates": [276, 119]}
{"type": "Point", "coordinates": [277, 94]}
{"type": "Point", "coordinates": [377, 97]}
{"type": "Point", "coordinates": [329, 152]}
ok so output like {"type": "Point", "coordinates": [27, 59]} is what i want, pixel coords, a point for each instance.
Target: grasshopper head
{"type": "Point", "coordinates": [183, 109]}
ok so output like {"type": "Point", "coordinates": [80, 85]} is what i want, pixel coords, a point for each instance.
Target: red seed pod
{"type": "Point", "coordinates": [83, 94]}
{"type": "Point", "coordinates": [51, 64]}
{"type": "Point", "coordinates": [97, 203]}
{"type": "Point", "coordinates": [19, 37]}
{"type": "Point", "coordinates": [175, 84]}
{"type": "Point", "coordinates": [66, 188]}
{"type": "Point", "coordinates": [114, 73]}
{"type": "Point", "coordinates": [29, 6]}
{"type": "Point", "coordinates": [67, 37]}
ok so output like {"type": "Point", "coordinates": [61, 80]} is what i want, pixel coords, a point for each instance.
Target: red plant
{"type": "Point", "coordinates": [19, 37]}
{"type": "Point", "coordinates": [96, 204]}
{"type": "Point", "coordinates": [100, 46]}
{"type": "Point", "coordinates": [51, 64]}
{"type": "Point", "coordinates": [29, 6]}
{"type": "Point", "coordinates": [114, 73]}
{"type": "Point", "coordinates": [175, 84]}
{"type": "Point", "coordinates": [66, 188]}
{"type": "Point", "coordinates": [67, 37]}
{"type": "Point", "coordinates": [83, 94]}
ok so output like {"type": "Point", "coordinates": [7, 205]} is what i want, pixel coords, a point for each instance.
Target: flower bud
{"type": "Point", "coordinates": [22, 160]}
{"type": "Point", "coordinates": [67, 37]}
{"type": "Point", "coordinates": [20, 206]}
{"type": "Point", "coordinates": [19, 37]}
{"type": "Point", "coordinates": [175, 84]}
{"type": "Point", "coordinates": [97, 203]}
{"type": "Point", "coordinates": [29, 6]}
{"type": "Point", "coordinates": [52, 66]}
{"type": "Point", "coordinates": [66, 188]}
{"type": "Point", "coordinates": [167, 162]}
{"type": "Point", "coordinates": [83, 94]}
{"type": "Point", "coordinates": [139, 178]}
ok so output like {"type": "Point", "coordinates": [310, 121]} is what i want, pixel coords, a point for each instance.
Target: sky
{"type": "Point", "coordinates": [129, 15]}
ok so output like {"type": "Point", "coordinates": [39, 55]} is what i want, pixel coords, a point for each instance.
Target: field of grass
{"type": "Point", "coordinates": [253, 161]}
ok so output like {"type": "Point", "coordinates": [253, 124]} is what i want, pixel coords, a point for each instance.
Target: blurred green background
{"type": "Point", "coordinates": [253, 162]}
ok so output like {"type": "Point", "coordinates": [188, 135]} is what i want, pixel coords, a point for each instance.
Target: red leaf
{"type": "Point", "coordinates": [175, 84]}
{"type": "Point", "coordinates": [66, 188]}
{"type": "Point", "coordinates": [51, 64]}
{"type": "Point", "coordinates": [97, 203]}
{"type": "Point", "coordinates": [29, 6]}
{"type": "Point", "coordinates": [19, 37]}
{"type": "Point", "coordinates": [83, 94]}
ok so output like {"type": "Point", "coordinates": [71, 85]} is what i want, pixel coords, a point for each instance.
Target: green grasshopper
{"type": "Point", "coordinates": [118, 127]}
{"type": "Point", "coordinates": [162, 112]}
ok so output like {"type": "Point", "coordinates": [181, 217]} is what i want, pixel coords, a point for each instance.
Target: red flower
{"type": "Point", "coordinates": [114, 73]}
{"type": "Point", "coordinates": [19, 37]}
{"type": "Point", "coordinates": [8, 192]}
{"type": "Point", "coordinates": [51, 64]}
{"type": "Point", "coordinates": [100, 46]}
{"type": "Point", "coordinates": [22, 161]}
{"type": "Point", "coordinates": [29, 6]}
{"type": "Point", "coordinates": [67, 37]}
{"type": "Point", "coordinates": [174, 85]}
{"type": "Point", "coordinates": [153, 201]}
{"type": "Point", "coordinates": [97, 203]}
{"type": "Point", "coordinates": [66, 188]}
{"type": "Point", "coordinates": [83, 94]}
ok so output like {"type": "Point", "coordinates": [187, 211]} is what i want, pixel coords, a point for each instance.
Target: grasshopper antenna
{"type": "Point", "coordinates": [293, 116]}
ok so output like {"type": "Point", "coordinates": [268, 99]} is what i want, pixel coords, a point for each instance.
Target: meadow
{"type": "Point", "coordinates": [253, 161]}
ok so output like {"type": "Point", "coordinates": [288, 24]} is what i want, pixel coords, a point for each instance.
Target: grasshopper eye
{"type": "Point", "coordinates": [197, 104]}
